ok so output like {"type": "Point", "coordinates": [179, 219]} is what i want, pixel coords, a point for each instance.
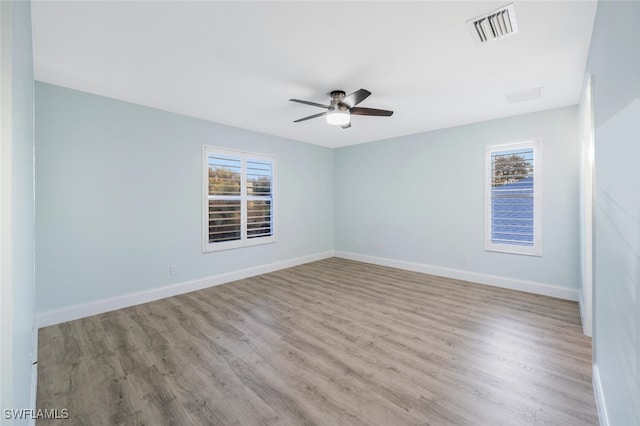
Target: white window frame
{"type": "Point", "coordinates": [536, 248]}
{"type": "Point", "coordinates": [208, 247]}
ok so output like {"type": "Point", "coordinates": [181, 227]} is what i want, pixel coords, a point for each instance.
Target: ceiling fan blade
{"type": "Point", "coordinates": [309, 103]}
{"type": "Point", "coordinates": [355, 98]}
{"type": "Point", "coordinates": [346, 126]}
{"type": "Point", "coordinates": [310, 117]}
{"type": "Point", "coordinates": [371, 111]}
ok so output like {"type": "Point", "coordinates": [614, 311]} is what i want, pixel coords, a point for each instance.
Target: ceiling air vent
{"type": "Point", "coordinates": [526, 95]}
{"type": "Point", "coordinates": [493, 25]}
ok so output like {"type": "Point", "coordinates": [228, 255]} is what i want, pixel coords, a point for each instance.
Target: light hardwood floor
{"type": "Point", "coordinates": [330, 342]}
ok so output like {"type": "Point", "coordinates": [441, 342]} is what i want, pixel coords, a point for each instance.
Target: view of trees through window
{"type": "Point", "coordinates": [509, 168]}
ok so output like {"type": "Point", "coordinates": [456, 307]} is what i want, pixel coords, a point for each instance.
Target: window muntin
{"type": "Point", "coordinates": [239, 199]}
{"type": "Point", "coordinates": [512, 198]}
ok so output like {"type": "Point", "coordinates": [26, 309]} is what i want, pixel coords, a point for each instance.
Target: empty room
{"type": "Point", "coordinates": [320, 212]}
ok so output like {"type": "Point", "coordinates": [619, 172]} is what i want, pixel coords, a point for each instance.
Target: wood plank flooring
{"type": "Point", "coordinates": [333, 342]}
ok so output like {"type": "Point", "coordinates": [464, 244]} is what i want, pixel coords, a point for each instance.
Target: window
{"type": "Point", "coordinates": [512, 199]}
{"type": "Point", "coordinates": [238, 208]}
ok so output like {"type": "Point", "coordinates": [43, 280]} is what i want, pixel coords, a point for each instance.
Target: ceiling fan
{"type": "Point", "coordinates": [342, 107]}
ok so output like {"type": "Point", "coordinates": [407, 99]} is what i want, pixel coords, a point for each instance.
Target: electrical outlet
{"type": "Point", "coordinates": [465, 258]}
{"type": "Point", "coordinates": [173, 269]}
{"type": "Point", "coordinates": [379, 246]}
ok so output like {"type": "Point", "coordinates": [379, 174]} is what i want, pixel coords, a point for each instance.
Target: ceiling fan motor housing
{"type": "Point", "coordinates": [336, 97]}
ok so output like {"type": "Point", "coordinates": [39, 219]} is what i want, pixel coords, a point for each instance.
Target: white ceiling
{"type": "Point", "coordinates": [238, 62]}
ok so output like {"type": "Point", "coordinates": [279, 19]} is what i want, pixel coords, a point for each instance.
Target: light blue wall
{"type": "Point", "coordinates": [119, 198]}
{"type": "Point", "coordinates": [18, 66]}
{"type": "Point", "coordinates": [614, 62]}
{"type": "Point", "coordinates": [421, 197]}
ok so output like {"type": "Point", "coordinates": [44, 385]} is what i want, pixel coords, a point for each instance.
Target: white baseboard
{"type": "Point", "coordinates": [492, 280]}
{"type": "Point", "coordinates": [600, 402]}
{"type": "Point", "coordinates": [586, 326]}
{"type": "Point", "coordinates": [70, 313]}
{"type": "Point", "coordinates": [34, 373]}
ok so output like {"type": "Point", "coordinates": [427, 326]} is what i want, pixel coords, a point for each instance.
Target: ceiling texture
{"type": "Point", "coordinates": [238, 63]}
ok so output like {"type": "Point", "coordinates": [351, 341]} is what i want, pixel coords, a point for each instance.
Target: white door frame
{"type": "Point", "coordinates": [6, 284]}
{"type": "Point", "coordinates": [587, 178]}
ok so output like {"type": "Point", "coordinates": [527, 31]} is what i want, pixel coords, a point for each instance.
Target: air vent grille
{"type": "Point", "coordinates": [526, 95]}
{"type": "Point", "coordinates": [493, 25]}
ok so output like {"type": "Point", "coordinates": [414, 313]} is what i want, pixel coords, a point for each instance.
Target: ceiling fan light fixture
{"type": "Point", "coordinates": [338, 118]}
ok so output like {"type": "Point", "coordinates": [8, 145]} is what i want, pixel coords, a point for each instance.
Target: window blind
{"type": "Point", "coordinates": [225, 180]}
{"type": "Point", "coordinates": [239, 199]}
{"type": "Point", "coordinates": [512, 197]}
{"type": "Point", "coordinates": [259, 198]}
